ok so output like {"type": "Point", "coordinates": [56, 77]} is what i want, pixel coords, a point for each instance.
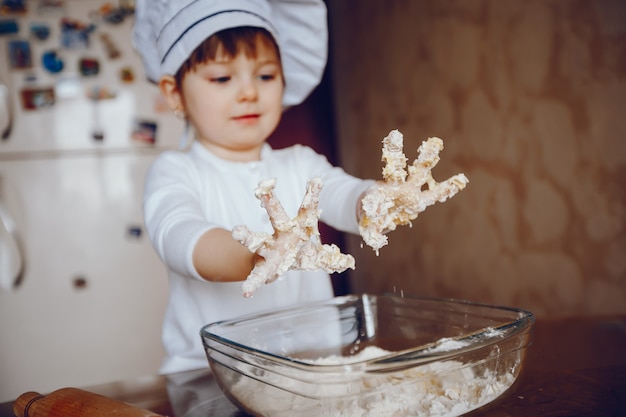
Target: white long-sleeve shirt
{"type": "Point", "coordinates": [188, 193]}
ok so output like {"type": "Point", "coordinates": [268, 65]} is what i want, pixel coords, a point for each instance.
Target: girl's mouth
{"type": "Point", "coordinates": [247, 118]}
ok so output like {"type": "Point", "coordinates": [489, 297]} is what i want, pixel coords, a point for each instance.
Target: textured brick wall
{"type": "Point", "coordinates": [530, 99]}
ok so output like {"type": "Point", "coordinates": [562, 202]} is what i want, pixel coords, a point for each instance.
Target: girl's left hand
{"type": "Point", "coordinates": [405, 191]}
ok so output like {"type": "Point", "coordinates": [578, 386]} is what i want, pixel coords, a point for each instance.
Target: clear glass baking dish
{"type": "Point", "coordinates": [365, 355]}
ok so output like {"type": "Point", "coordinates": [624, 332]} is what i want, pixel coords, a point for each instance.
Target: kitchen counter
{"type": "Point", "coordinates": [575, 367]}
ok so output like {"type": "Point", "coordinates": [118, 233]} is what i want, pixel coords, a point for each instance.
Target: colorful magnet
{"type": "Point", "coordinates": [51, 62]}
{"type": "Point", "coordinates": [75, 34]}
{"type": "Point", "coordinates": [127, 6]}
{"type": "Point", "coordinates": [36, 98]}
{"type": "Point", "coordinates": [100, 93]}
{"type": "Point", "coordinates": [114, 16]}
{"type": "Point", "coordinates": [110, 14]}
{"type": "Point", "coordinates": [19, 54]}
{"type": "Point", "coordinates": [89, 67]}
{"type": "Point", "coordinates": [13, 6]}
{"type": "Point", "coordinates": [51, 6]}
{"type": "Point", "coordinates": [144, 131]}
{"type": "Point", "coordinates": [127, 75]}
{"type": "Point", "coordinates": [40, 31]}
{"type": "Point", "coordinates": [112, 51]}
{"type": "Point", "coordinates": [8, 26]}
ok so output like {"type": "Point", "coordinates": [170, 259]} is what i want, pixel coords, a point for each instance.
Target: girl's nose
{"type": "Point", "coordinates": [248, 90]}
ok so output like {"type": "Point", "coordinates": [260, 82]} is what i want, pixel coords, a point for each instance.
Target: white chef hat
{"type": "Point", "coordinates": [166, 32]}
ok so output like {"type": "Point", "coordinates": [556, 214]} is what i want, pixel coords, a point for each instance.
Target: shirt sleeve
{"type": "Point", "coordinates": [340, 194]}
{"type": "Point", "coordinates": [172, 214]}
{"type": "Point", "coordinates": [339, 200]}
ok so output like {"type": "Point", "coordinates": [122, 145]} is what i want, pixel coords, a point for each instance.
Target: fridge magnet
{"type": "Point", "coordinates": [51, 6]}
{"type": "Point", "coordinates": [37, 98]}
{"type": "Point", "coordinates": [100, 93]}
{"type": "Point", "coordinates": [75, 34]}
{"type": "Point", "coordinates": [19, 54]}
{"type": "Point", "coordinates": [40, 31]}
{"type": "Point", "coordinates": [109, 13]}
{"type": "Point", "coordinates": [109, 46]}
{"type": "Point", "coordinates": [88, 67]}
{"type": "Point", "coordinates": [8, 26]}
{"type": "Point", "coordinates": [127, 75]}
{"type": "Point", "coordinates": [144, 131]}
{"type": "Point", "coordinates": [52, 62]}
{"type": "Point", "coordinates": [12, 6]}
{"type": "Point", "coordinates": [128, 6]}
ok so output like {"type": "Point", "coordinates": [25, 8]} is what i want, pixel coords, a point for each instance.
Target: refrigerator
{"type": "Point", "coordinates": [82, 292]}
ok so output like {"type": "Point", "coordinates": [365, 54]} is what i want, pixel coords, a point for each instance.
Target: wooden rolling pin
{"type": "Point", "coordinates": [74, 402]}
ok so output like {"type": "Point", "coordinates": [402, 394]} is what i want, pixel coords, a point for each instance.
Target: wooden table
{"type": "Point", "coordinates": [575, 367]}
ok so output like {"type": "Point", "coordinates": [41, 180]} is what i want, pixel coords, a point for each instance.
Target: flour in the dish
{"type": "Point", "coordinates": [444, 389]}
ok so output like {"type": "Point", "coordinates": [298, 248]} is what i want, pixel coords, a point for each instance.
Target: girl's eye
{"type": "Point", "coordinates": [267, 77]}
{"type": "Point", "coordinates": [220, 80]}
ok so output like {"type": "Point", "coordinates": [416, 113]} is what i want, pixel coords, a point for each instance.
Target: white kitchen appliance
{"type": "Point", "coordinates": [82, 292]}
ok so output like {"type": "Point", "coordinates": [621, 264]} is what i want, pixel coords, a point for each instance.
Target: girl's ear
{"type": "Point", "coordinates": [169, 90]}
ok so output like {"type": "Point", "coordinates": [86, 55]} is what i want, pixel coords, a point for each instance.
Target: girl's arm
{"type": "Point", "coordinates": [218, 257]}
{"type": "Point", "coordinates": [179, 231]}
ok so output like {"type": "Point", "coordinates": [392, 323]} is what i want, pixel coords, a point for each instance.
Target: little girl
{"type": "Point", "coordinates": [231, 67]}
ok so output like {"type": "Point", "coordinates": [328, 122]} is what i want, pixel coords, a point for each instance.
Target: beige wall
{"type": "Point", "coordinates": [530, 99]}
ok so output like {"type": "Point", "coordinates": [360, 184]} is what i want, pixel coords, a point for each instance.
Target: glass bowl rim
{"type": "Point", "coordinates": [418, 355]}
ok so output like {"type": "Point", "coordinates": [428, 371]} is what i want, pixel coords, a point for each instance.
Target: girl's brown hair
{"type": "Point", "coordinates": [233, 41]}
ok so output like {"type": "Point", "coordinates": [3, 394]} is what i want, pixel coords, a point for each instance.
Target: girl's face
{"type": "Point", "coordinates": [234, 104]}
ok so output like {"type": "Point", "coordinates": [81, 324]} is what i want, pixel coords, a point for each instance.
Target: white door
{"type": "Point", "coordinates": [88, 309]}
